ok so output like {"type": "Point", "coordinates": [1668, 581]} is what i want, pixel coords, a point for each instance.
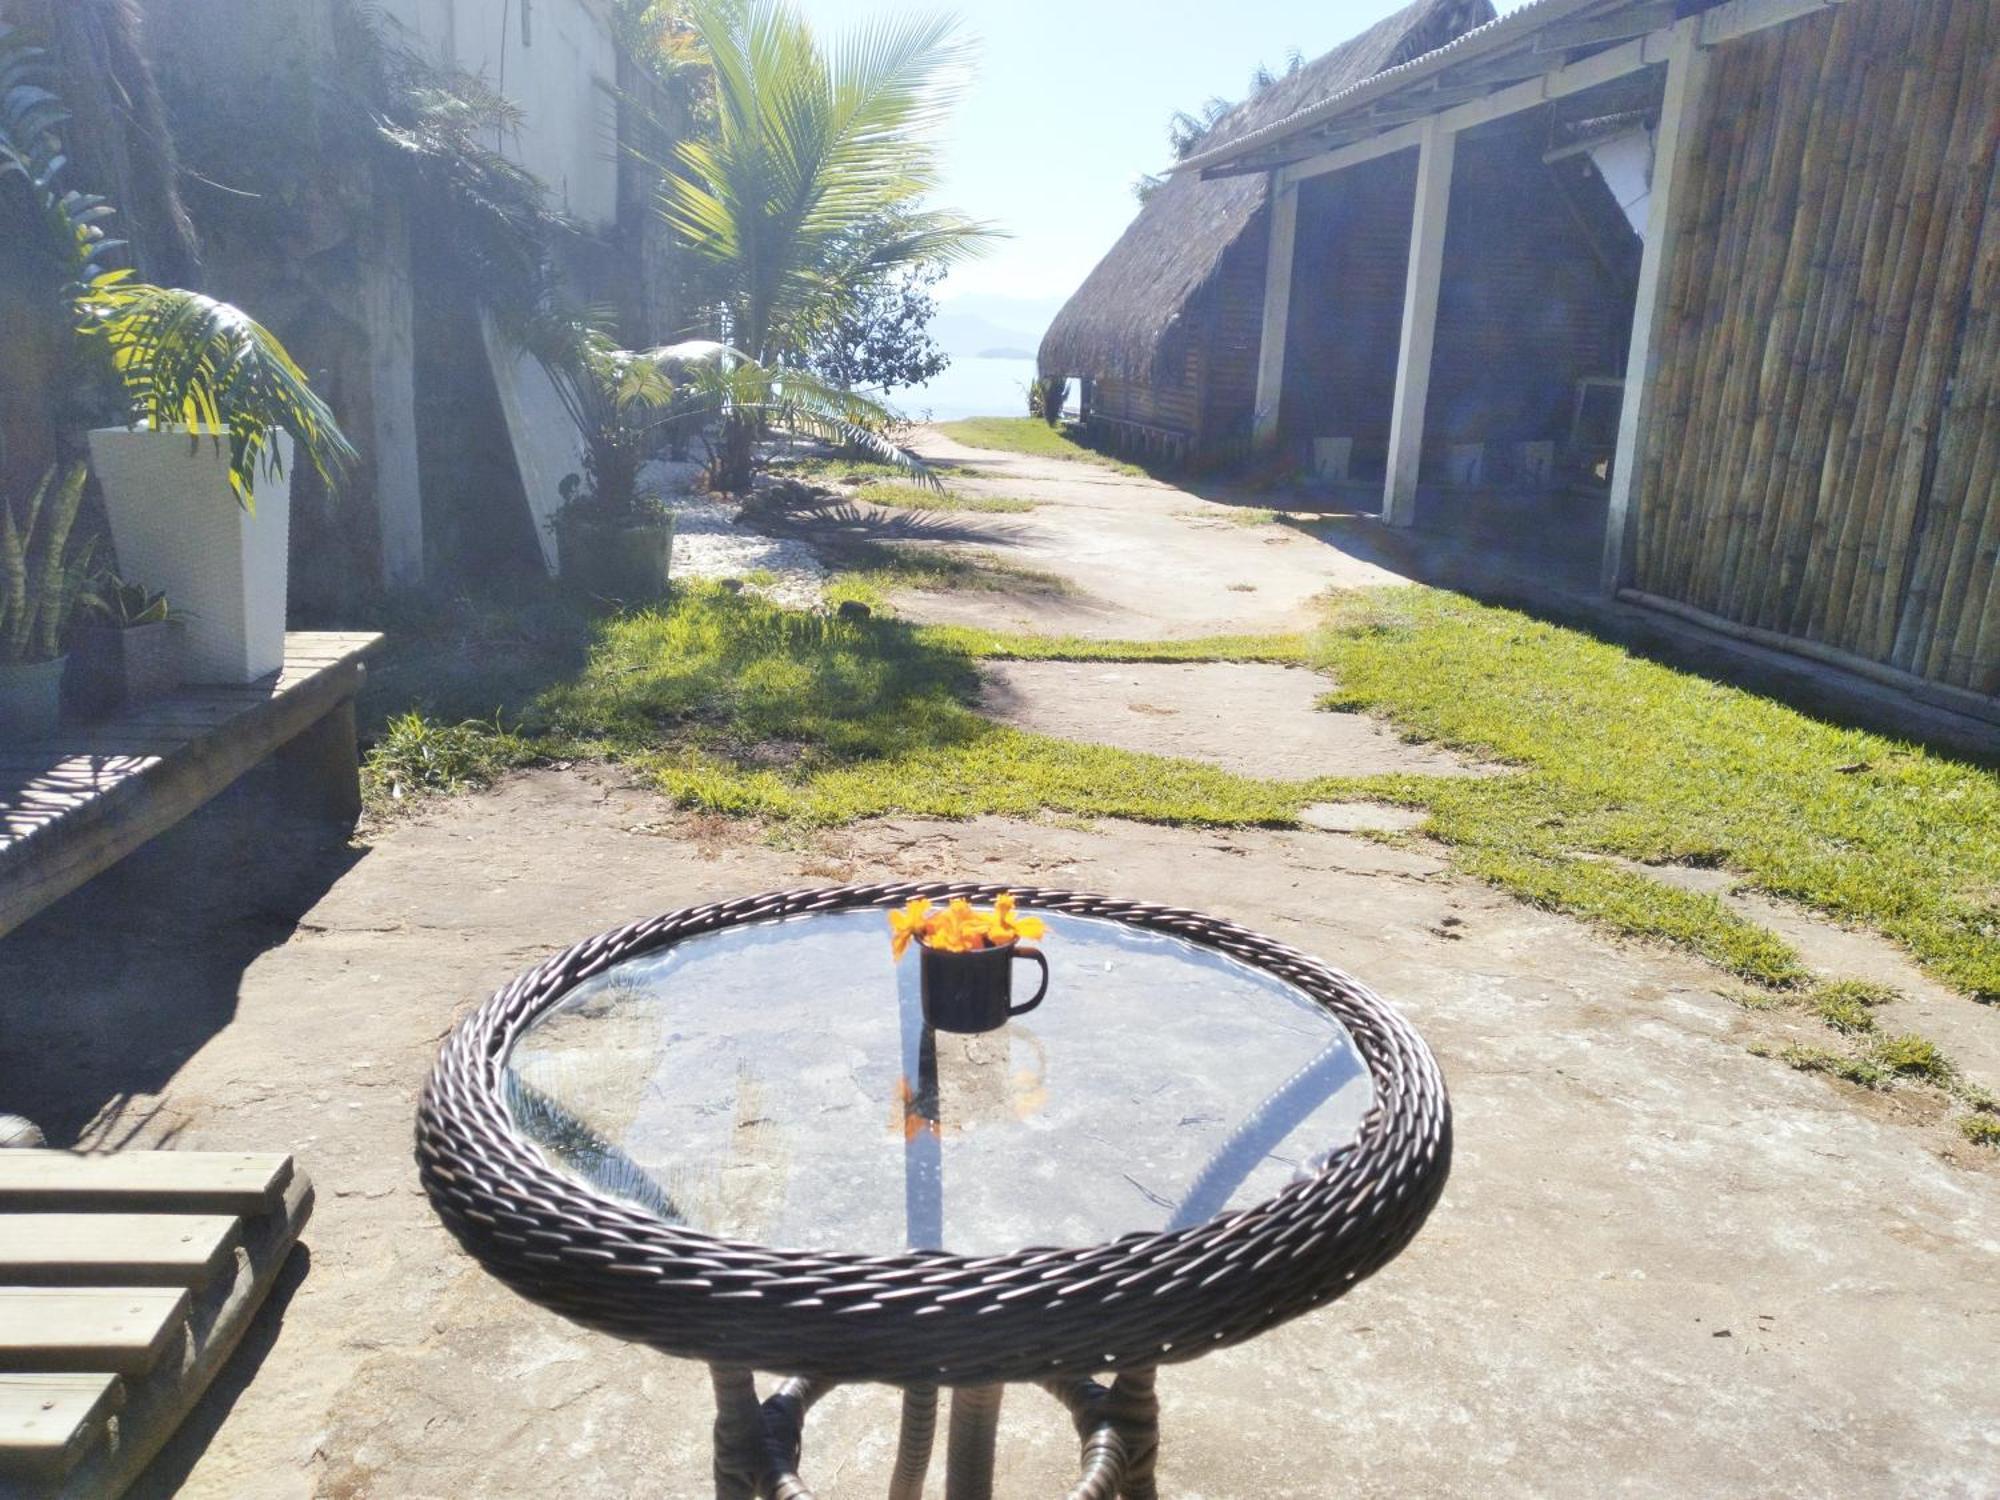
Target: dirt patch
{"type": "Point", "coordinates": [1256, 719]}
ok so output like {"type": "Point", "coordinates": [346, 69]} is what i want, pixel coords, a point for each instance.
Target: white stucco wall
{"type": "Point", "coordinates": [557, 62]}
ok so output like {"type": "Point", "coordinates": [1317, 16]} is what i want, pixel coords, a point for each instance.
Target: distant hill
{"type": "Point", "coordinates": [983, 326]}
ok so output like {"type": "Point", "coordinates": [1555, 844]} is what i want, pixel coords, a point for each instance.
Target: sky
{"type": "Point", "coordinates": [1069, 102]}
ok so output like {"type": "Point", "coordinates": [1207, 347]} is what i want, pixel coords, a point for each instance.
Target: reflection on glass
{"type": "Point", "coordinates": [776, 1083]}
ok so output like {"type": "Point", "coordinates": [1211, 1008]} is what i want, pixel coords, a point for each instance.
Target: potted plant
{"type": "Point", "coordinates": [197, 487]}
{"type": "Point", "coordinates": [44, 570]}
{"type": "Point", "coordinates": [130, 652]}
{"type": "Point", "coordinates": [611, 539]}
{"type": "Point", "coordinates": [196, 483]}
{"type": "Point", "coordinates": [966, 960]}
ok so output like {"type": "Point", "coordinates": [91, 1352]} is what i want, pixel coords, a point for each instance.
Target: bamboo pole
{"type": "Point", "coordinates": [1852, 579]}
{"type": "Point", "coordinates": [1807, 505]}
{"type": "Point", "coordinates": [1882, 227]}
{"type": "Point", "coordinates": [1922, 358]}
{"type": "Point", "coordinates": [1815, 216]}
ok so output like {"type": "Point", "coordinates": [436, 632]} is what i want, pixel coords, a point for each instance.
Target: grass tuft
{"type": "Point", "coordinates": [1858, 1070]}
{"type": "Point", "coordinates": [418, 757]}
{"type": "Point", "coordinates": [870, 572]}
{"type": "Point", "coordinates": [1912, 1056]}
{"type": "Point", "coordinates": [1980, 1130]}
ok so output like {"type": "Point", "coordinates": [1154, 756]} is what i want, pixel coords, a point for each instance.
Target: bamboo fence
{"type": "Point", "coordinates": [1823, 458]}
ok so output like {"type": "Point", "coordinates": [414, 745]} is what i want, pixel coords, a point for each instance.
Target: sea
{"type": "Point", "coordinates": [970, 388]}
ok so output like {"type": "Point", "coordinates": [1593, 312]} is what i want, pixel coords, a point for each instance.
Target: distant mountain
{"type": "Point", "coordinates": [984, 326]}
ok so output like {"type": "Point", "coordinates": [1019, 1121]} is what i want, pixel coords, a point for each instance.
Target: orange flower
{"type": "Point", "coordinates": [959, 930]}
{"type": "Point", "coordinates": [1003, 927]}
{"type": "Point", "coordinates": [911, 922]}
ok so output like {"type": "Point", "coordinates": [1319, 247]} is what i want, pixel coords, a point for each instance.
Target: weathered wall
{"type": "Point", "coordinates": [1823, 458]}
{"type": "Point", "coordinates": [557, 61]}
{"type": "Point", "coordinates": [1232, 318]}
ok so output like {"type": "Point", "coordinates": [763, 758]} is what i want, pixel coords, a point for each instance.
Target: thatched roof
{"type": "Point", "coordinates": [1130, 315]}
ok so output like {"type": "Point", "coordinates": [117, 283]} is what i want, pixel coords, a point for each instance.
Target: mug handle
{"type": "Point", "coordinates": [1027, 1005]}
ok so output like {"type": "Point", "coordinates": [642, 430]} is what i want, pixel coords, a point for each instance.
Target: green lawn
{"type": "Point", "coordinates": [1031, 436]}
{"type": "Point", "coordinates": [1623, 759]}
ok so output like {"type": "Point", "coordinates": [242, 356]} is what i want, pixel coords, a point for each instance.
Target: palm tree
{"type": "Point", "coordinates": [812, 183]}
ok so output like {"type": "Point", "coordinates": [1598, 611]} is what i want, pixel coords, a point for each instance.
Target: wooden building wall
{"type": "Point", "coordinates": [1534, 297]}
{"type": "Point", "coordinates": [1232, 333]}
{"type": "Point", "coordinates": [1351, 262]}
{"type": "Point", "coordinates": [1823, 459]}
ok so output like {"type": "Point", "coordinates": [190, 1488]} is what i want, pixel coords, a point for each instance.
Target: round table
{"type": "Point", "coordinates": [727, 1133]}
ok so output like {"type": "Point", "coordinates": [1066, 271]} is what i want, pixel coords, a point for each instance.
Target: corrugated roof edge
{"type": "Point", "coordinates": [1488, 38]}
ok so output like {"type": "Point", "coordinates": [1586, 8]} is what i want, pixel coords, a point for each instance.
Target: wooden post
{"type": "Point", "coordinates": [323, 768]}
{"type": "Point", "coordinates": [1687, 67]}
{"type": "Point", "coordinates": [1436, 153]}
{"type": "Point", "coordinates": [1277, 312]}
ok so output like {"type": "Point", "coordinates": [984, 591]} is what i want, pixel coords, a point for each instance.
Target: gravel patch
{"type": "Point", "coordinates": [708, 543]}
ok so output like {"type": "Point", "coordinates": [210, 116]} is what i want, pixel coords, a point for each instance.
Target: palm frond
{"type": "Point", "coordinates": [186, 360]}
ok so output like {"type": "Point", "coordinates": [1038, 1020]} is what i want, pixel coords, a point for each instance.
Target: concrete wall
{"type": "Point", "coordinates": [557, 61]}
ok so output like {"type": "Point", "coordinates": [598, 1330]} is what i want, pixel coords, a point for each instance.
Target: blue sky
{"type": "Point", "coordinates": [1069, 102]}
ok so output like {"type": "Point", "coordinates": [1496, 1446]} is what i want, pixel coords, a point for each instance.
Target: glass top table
{"type": "Point", "coordinates": [774, 1082]}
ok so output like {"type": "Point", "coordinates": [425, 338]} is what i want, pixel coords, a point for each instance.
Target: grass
{"type": "Point", "coordinates": [1235, 515]}
{"type": "Point", "coordinates": [1981, 1130]}
{"type": "Point", "coordinates": [1031, 436]}
{"type": "Point", "coordinates": [417, 758]}
{"type": "Point", "coordinates": [731, 705]}
{"type": "Point", "coordinates": [1618, 758]}
{"type": "Point", "coordinates": [1911, 1056]}
{"type": "Point", "coordinates": [913, 497]}
{"type": "Point", "coordinates": [1858, 1070]}
{"type": "Point", "coordinates": [996, 645]}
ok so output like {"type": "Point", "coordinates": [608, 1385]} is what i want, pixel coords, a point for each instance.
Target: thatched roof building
{"type": "Point", "coordinates": [1166, 329]}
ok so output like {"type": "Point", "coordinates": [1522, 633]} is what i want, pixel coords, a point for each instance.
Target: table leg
{"type": "Point", "coordinates": [1134, 1410]}
{"type": "Point", "coordinates": [913, 1447]}
{"type": "Point", "coordinates": [784, 1438]}
{"type": "Point", "coordinates": [1103, 1449]}
{"type": "Point", "coordinates": [975, 1423]}
{"type": "Point", "coordinates": [739, 1433]}
{"type": "Point", "coordinates": [322, 768]}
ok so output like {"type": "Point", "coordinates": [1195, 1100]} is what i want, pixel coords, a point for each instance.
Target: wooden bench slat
{"type": "Point", "coordinates": [210, 1182]}
{"type": "Point", "coordinates": [121, 1329]}
{"type": "Point", "coordinates": [115, 1249]}
{"type": "Point", "coordinates": [48, 1422]}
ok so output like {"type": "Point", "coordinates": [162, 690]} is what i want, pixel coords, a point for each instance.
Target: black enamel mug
{"type": "Point", "coordinates": [971, 992]}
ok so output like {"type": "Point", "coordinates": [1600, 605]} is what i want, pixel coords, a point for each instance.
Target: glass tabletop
{"type": "Point", "coordinates": [775, 1082]}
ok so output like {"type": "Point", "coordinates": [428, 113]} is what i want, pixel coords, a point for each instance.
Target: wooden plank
{"type": "Point", "coordinates": [121, 1329]}
{"type": "Point", "coordinates": [115, 1249]}
{"type": "Point", "coordinates": [157, 1404]}
{"type": "Point", "coordinates": [1420, 304]}
{"type": "Point", "coordinates": [49, 1422]}
{"type": "Point", "coordinates": [53, 860]}
{"type": "Point", "coordinates": [1277, 313]}
{"type": "Point", "coordinates": [205, 1182]}
{"type": "Point", "coordinates": [1687, 69]}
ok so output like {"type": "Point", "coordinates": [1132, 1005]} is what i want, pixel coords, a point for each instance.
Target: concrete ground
{"type": "Point", "coordinates": [1665, 1265]}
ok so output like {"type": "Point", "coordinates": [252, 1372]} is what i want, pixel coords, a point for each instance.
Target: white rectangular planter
{"type": "Point", "coordinates": [178, 529]}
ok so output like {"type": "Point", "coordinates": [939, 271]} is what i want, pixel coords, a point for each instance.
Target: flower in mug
{"type": "Point", "coordinates": [959, 928]}
{"type": "Point", "coordinates": [908, 923]}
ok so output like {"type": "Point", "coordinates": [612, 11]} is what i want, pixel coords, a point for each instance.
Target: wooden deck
{"type": "Point", "coordinates": [79, 801]}
{"type": "Point", "coordinates": [125, 1282]}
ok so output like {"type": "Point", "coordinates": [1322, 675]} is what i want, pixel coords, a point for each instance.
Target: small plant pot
{"type": "Point", "coordinates": [30, 698]}
{"type": "Point", "coordinates": [616, 562]}
{"type": "Point", "coordinates": [112, 667]}
{"type": "Point", "coordinates": [974, 992]}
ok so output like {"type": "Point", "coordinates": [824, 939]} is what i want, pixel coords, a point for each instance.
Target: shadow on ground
{"type": "Point", "coordinates": [110, 991]}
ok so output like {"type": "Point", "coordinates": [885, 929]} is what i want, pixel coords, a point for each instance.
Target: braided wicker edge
{"type": "Point", "coordinates": [927, 1317]}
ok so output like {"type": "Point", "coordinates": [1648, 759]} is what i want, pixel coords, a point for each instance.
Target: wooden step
{"type": "Point", "coordinates": [114, 1249]}
{"type": "Point", "coordinates": [122, 1329]}
{"type": "Point", "coordinates": [48, 1422]}
{"type": "Point", "coordinates": [204, 1182]}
